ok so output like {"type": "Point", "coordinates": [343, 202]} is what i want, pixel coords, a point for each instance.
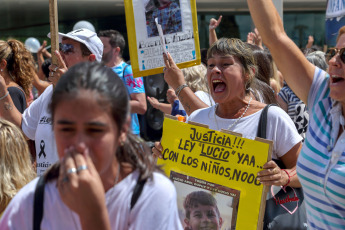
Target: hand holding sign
{"type": "Point", "coordinates": [56, 70]}
{"type": "Point", "coordinates": [273, 175]}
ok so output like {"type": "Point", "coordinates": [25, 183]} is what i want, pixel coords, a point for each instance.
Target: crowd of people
{"type": "Point", "coordinates": [71, 157]}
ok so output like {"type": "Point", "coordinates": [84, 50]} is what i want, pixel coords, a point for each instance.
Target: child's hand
{"type": "Point", "coordinates": [153, 101]}
{"type": "Point", "coordinates": [171, 96]}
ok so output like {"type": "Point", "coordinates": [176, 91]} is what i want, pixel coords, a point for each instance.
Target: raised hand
{"type": "Point", "coordinates": [172, 74]}
{"type": "Point", "coordinates": [214, 23]}
{"type": "Point", "coordinates": [255, 38]}
{"type": "Point", "coordinates": [57, 71]}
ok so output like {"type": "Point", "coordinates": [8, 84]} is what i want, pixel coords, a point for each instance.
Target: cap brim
{"type": "Point", "coordinates": [67, 36]}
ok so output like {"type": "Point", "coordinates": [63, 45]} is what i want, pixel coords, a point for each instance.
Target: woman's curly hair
{"type": "Point", "coordinates": [20, 63]}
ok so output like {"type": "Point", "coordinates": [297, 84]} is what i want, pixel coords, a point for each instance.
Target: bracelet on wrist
{"type": "Point", "coordinates": [179, 89]}
{"type": "Point", "coordinates": [4, 96]}
{"type": "Point", "coordinates": [288, 182]}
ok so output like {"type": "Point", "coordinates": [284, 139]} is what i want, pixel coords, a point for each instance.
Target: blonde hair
{"type": "Point", "coordinates": [20, 63]}
{"type": "Point", "coordinates": [195, 78]}
{"type": "Point", "coordinates": [16, 168]}
{"type": "Point", "coordinates": [341, 31]}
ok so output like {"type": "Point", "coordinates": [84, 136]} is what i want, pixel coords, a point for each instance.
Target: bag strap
{"type": "Point", "coordinates": [137, 191]}
{"type": "Point", "coordinates": [263, 122]}
{"type": "Point", "coordinates": [38, 204]}
{"type": "Point", "coordinates": [262, 131]}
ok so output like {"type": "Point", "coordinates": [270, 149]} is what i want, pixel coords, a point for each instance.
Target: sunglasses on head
{"type": "Point", "coordinates": [333, 51]}
{"type": "Point", "coordinates": [66, 48]}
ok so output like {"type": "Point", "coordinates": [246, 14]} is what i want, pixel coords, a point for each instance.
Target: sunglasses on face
{"type": "Point", "coordinates": [334, 51]}
{"type": "Point", "coordinates": [66, 48]}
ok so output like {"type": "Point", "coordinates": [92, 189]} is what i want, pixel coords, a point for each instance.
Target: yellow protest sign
{"type": "Point", "coordinates": [218, 167]}
{"type": "Point", "coordinates": [179, 35]}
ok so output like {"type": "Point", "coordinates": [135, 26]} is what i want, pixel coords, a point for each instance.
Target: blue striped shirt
{"type": "Point", "coordinates": [321, 163]}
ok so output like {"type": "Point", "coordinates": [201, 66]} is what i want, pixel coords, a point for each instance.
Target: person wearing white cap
{"type": "Point", "coordinates": [77, 46]}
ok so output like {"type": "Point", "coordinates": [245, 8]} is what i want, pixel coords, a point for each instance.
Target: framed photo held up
{"type": "Point", "coordinates": [178, 21]}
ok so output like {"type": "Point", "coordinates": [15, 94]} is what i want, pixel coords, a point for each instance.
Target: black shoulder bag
{"type": "Point", "coordinates": [285, 209]}
{"type": "Point", "coordinates": [39, 200]}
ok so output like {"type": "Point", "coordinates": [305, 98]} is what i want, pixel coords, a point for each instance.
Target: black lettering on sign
{"type": "Point", "coordinates": [246, 159]}
{"type": "Point", "coordinates": [215, 168]}
{"type": "Point", "coordinates": [186, 145]}
{"type": "Point", "coordinates": [190, 161]}
{"type": "Point", "coordinates": [170, 155]}
{"type": "Point", "coordinates": [215, 153]}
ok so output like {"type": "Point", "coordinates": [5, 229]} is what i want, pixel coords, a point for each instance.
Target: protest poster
{"type": "Point", "coordinates": [178, 20]}
{"type": "Point", "coordinates": [200, 160]}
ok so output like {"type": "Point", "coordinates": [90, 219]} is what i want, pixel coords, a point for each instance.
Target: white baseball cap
{"type": "Point", "coordinates": [88, 38]}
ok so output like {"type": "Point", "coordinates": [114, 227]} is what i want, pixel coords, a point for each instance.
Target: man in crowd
{"type": "Point", "coordinates": [36, 123]}
{"type": "Point", "coordinates": [114, 44]}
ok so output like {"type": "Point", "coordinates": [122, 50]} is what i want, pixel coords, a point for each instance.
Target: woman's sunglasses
{"type": "Point", "coordinates": [333, 51]}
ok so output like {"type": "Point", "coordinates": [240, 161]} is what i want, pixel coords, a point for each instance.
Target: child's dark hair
{"type": "Point", "coordinates": [112, 95]}
{"type": "Point", "coordinates": [194, 199]}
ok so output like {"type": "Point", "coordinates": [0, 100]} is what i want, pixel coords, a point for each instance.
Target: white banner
{"type": "Point", "coordinates": [335, 8]}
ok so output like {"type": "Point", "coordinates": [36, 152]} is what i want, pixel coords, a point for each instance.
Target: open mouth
{"type": "Point", "coordinates": [336, 79]}
{"type": "Point", "coordinates": [218, 86]}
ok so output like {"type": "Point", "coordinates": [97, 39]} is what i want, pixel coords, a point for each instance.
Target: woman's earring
{"type": "Point", "coordinates": [122, 143]}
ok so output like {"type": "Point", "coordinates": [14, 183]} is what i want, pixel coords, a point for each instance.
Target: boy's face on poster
{"type": "Point", "coordinates": [204, 217]}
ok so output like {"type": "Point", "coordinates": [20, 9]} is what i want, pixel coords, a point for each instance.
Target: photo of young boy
{"type": "Point", "coordinates": [204, 205]}
{"type": "Point", "coordinates": [167, 12]}
{"type": "Point", "coordinates": [202, 212]}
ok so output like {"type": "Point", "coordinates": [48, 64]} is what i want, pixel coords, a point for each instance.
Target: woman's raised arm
{"type": "Point", "coordinates": [297, 71]}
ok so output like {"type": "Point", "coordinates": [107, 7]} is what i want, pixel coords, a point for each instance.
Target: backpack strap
{"type": "Point", "coordinates": [38, 204]}
{"type": "Point", "coordinates": [263, 122]}
{"type": "Point", "coordinates": [262, 130]}
{"type": "Point", "coordinates": [137, 191]}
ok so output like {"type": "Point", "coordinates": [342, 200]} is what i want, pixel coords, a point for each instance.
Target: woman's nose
{"type": "Point", "coordinates": [79, 142]}
{"type": "Point", "coordinates": [216, 70]}
{"type": "Point", "coordinates": [335, 61]}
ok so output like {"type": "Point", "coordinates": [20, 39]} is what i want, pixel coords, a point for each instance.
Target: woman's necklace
{"type": "Point", "coordinates": [238, 119]}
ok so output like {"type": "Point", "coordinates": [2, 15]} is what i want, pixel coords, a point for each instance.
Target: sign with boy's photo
{"type": "Point", "coordinates": [215, 175]}
{"type": "Point", "coordinates": [179, 34]}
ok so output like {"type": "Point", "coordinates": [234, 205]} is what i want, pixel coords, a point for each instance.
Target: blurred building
{"type": "Point", "coordinates": [30, 18]}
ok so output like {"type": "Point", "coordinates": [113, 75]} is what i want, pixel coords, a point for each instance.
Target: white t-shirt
{"type": "Point", "coordinates": [156, 207]}
{"type": "Point", "coordinates": [280, 128]}
{"type": "Point", "coordinates": [204, 97]}
{"type": "Point", "coordinates": [37, 125]}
